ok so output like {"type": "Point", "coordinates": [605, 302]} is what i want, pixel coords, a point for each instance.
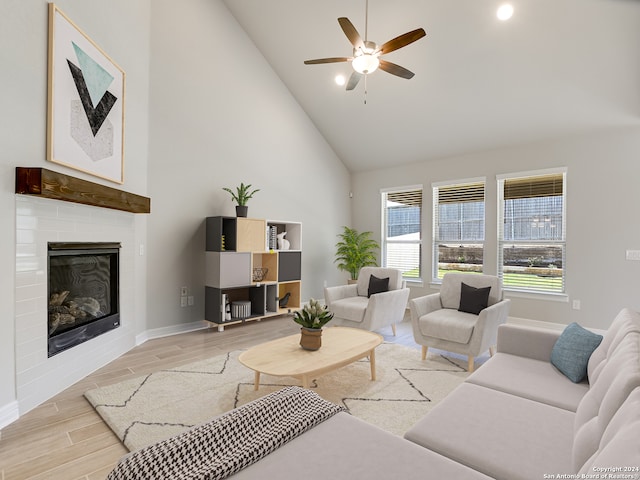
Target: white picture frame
{"type": "Point", "coordinates": [86, 93]}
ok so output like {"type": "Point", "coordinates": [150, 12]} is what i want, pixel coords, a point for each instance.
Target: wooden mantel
{"type": "Point", "coordinates": [48, 184]}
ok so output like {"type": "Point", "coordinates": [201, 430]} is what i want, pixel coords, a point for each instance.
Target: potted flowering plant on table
{"type": "Point", "coordinates": [312, 318]}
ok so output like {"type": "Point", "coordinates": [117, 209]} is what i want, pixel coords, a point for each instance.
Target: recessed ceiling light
{"type": "Point", "coordinates": [505, 12]}
{"type": "Point", "coordinates": [340, 80]}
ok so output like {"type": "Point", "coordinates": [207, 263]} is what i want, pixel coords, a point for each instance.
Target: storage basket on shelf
{"type": "Point", "coordinates": [240, 309]}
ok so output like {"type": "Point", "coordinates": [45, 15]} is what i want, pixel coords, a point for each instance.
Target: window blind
{"type": "Point", "coordinates": [412, 198]}
{"type": "Point", "coordinates": [458, 227]}
{"type": "Point", "coordinates": [531, 232]}
{"type": "Point", "coordinates": [470, 192]}
{"type": "Point", "coordinates": [402, 231]}
{"type": "Point", "coordinates": [542, 186]}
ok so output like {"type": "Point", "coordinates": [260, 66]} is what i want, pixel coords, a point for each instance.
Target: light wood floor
{"type": "Point", "coordinates": [66, 439]}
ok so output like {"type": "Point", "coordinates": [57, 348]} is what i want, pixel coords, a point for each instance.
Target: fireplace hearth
{"type": "Point", "coordinates": [83, 292]}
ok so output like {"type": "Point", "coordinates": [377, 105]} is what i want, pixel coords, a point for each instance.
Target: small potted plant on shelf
{"type": "Point", "coordinates": [312, 318]}
{"type": "Point", "coordinates": [241, 196]}
{"type": "Point", "coordinates": [354, 251]}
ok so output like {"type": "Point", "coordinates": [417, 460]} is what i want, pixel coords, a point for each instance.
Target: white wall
{"type": "Point", "coordinates": [220, 116]}
{"type": "Point", "coordinates": [203, 110]}
{"type": "Point", "coordinates": [602, 222]}
{"type": "Point", "coordinates": [121, 28]}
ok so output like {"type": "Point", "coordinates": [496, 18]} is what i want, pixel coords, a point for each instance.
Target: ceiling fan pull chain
{"type": "Point", "coordinates": [365, 89]}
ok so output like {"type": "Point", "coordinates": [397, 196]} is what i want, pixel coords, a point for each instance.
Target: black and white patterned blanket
{"type": "Point", "coordinates": [230, 442]}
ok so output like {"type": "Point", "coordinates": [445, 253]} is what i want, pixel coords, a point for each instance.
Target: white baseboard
{"type": "Point", "coordinates": [9, 413]}
{"type": "Point", "coordinates": [535, 323]}
{"type": "Point", "coordinates": [171, 330]}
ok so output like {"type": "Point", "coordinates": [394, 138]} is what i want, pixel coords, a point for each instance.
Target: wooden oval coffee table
{"type": "Point", "coordinates": [285, 358]}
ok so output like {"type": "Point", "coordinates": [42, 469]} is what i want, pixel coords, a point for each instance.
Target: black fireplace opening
{"type": "Point", "coordinates": [83, 292]}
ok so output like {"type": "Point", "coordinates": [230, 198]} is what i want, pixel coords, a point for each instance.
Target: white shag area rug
{"type": "Point", "coordinates": [147, 409]}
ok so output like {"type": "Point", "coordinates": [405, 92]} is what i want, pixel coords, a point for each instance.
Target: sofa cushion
{"type": "Point", "coordinates": [350, 308]}
{"type": "Point", "coordinates": [572, 351]}
{"type": "Point", "coordinates": [498, 434]}
{"type": "Point", "coordinates": [530, 378]}
{"type": "Point", "coordinates": [472, 299]}
{"type": "Point", "coordinates": [618, 377]}
{"type": "Point", "coordinates": [626, 321]}
{"type": "Point", "coordinates": [353, 449]}
{"type": "Point", "coordinates": [527, 341]}
{"type": "Point", "coordinates": [377, 285]}
{"type": "Point", "coordinates": [448, 324]}
{"type": "Point", "coordinates": [619, 445]}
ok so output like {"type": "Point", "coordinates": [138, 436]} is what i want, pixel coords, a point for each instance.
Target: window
{"type": "Point", "coordinates": [531, 231]}
{"type": "Point", "coordinates": [402, 231]}
{"type": "Point", "coordinates": [458, 227]}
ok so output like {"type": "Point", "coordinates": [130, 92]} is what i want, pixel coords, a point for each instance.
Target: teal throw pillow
{"type": "Point", "coordinates": [572, 351]}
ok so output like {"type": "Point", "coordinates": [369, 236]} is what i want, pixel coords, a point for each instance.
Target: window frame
{"type": "Point", "coordinates": [385, 240]}
{"type": "Point", "coordinates": [526, 290]}
{"type": "Point", "coordinates": [435, 230]}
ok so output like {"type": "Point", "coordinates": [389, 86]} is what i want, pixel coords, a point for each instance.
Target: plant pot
{"type": "Point", "coordinates": [310, 338]}
{"type": "Point", "coordinates": [241, 210]}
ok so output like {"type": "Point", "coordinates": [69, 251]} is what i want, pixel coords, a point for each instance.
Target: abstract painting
{"type": "Point", "coordinates": [85, 128]}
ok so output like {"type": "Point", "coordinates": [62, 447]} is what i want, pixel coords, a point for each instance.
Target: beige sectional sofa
{"type": "Point", "coordinates": [516, 417]}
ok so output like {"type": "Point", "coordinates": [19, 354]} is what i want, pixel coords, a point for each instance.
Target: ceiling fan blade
{"type": "Point", "coordinates": [327, 60]}
{"type": "Point", "coordinates": [402, 40]}
{"type": "Point", "coordinates": [353, 80]}
{"type": "Point", "coordinates": [351, 32]}
{"type": "Point", "coordinates": [394, 69]}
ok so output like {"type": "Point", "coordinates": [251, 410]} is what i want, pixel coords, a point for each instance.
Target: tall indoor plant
{"type": "Point", "coordinates": [241, 196]}
{"type": "Point", "coordinates": [355, 250]}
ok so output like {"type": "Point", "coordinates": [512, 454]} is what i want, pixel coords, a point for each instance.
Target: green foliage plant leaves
{"type": "Point", "coordinates": [355, 250]}
{"type": "Point", "coordinates": [242, 194]}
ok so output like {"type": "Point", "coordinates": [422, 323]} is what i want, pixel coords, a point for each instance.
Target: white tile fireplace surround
{"type": "Point", "coordinates": [39, 221]}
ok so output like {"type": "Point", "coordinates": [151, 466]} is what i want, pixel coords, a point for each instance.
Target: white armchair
{"type": "Point", "coordinates": [352, 307]}
{"type": "Point", "coordinates": [437, 322]}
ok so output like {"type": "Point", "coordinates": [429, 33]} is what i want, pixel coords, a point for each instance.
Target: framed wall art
{"type": "Point", "coordinates": [85, 127]}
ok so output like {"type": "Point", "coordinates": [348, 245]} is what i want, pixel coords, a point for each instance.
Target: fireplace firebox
{"type": "Point", "coordinates": [83, 292]}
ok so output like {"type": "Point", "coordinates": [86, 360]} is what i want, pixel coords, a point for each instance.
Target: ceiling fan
{"type": "Point", "coordinates": [366, 54]}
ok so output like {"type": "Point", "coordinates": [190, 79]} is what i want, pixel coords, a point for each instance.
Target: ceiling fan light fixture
{"type": "Point", "coordinates": [366, 63]}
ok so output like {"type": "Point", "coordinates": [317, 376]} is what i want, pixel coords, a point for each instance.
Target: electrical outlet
{"type": "Point", "coordinates": [184, 291]}
{"type": "Point", "coordinates": [633, 254]}
{"type": "Point", "coordinates": [576, 304]}
{"type": "Point", "coordinates": [183, 301]}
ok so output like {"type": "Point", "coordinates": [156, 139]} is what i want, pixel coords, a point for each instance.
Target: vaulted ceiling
{"type": "Point", "coordinates": [556, 68]}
